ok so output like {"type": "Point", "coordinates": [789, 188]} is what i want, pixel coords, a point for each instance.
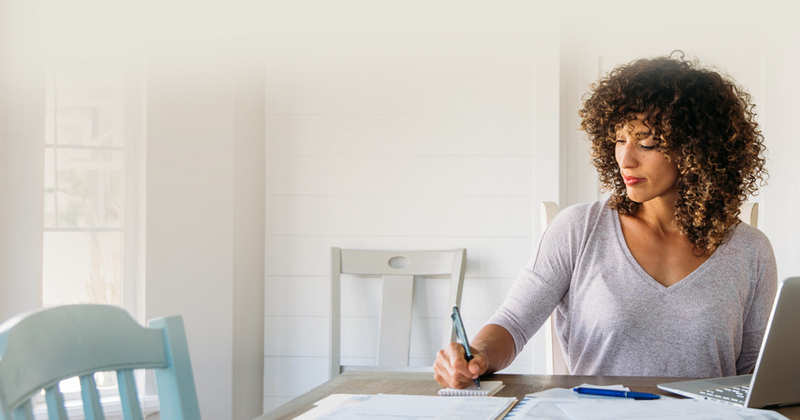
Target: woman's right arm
{"type": "Point", "coordinates": [492, 349]}
{"type": "Point", "coordinates": [537, 290]}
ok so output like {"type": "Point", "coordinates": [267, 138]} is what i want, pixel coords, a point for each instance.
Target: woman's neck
{"type": "Point", "coordinates": [658, 214]}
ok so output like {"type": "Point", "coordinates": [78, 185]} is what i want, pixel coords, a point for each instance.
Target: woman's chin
{"type": "Point", "coordinates": [638, 198]}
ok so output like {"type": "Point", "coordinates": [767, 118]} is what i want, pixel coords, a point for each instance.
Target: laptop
{"type": "Point", "coordinates": [775, 381]}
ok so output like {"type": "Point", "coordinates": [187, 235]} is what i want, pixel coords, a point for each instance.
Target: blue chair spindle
{"type": "Point", "coordinates": [128, 396]}
{"type": "Point", "coordinates": [91, 398]}
{"type": "Point", "coordinates": [55, 403]}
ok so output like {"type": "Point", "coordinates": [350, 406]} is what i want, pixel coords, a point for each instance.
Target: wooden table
{"type": "Point", "coordinates": [416, 383]}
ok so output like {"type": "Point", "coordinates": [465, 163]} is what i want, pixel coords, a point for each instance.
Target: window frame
{"type": "Point", "coordinates": [132, 229]}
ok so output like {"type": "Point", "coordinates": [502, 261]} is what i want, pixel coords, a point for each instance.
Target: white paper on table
{"type": "Point", "coordinates": [521, 408]}
{"type": "Point", "coordinates": [542, 409]}
{"type": "Point", "coordinates": [476, 408]}
{"type": "Point", "coordinates": [334, 399]}
{"type": "Point", "coordinates": [387, 407]}
{"type": "Point", "coordinates": [663, 410]}
{"type": "Point", "coordinates": [406, 405]}
{"type": "Point", "coordinates": [327, 404]}
{"type": "Point", "coordinates": [569, 394]}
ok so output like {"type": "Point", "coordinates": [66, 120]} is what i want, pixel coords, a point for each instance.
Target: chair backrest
{"type": "Point", "coordinates": [748, 213]}
{"type": "Point", "coordinates": [39, 349]}
{"type": "Point", "coordinates": [397, 269]}
{"type": "Point", "coordinates": [556, 362]}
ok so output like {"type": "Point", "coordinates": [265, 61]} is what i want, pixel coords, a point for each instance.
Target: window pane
{"type": "Point", "coordinates": [70, 385]}
{"type": "Point", "coordinates": [89, 188]}
{"type": "Point", "coordinates": [102, 379]}
{"type": "Point", "coordinates": [82, 267]}
{"type": "Point", "coordinates": [105, 379]}
{"type": "Point", "coordinates": [49, 188]}
{"type": "Point", "coordinates": [50, 106]}
{"type": "Point", "coordinates": [90, 105]}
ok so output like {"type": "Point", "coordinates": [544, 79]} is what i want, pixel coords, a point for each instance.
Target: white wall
{"type": "Point", "coordinates": [189, 240]}
{"type": "Point", "coordinates": [22, 83]}
{"type": "Point", "coordinates": [205, 206]}
{"type": "Point", "coordinates": [393, 129]}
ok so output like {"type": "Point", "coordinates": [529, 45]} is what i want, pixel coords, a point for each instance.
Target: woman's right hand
{"type": "Point", "coordinates": [451, 369]}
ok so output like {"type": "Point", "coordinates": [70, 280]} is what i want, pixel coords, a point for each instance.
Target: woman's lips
{"type": "Point", "coordinates": [630, 180]}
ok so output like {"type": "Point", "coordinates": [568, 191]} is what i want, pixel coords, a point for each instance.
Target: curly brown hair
{"type": "Point", "coordinates": [706, 124]}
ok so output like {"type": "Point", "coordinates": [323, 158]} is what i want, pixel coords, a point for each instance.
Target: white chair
{"type": "Point", "coordinates": [397, 269]}
{"type": "Point", "coordinates": [748, 213]}
{"type": "Point", "coordinates": [556, 363]}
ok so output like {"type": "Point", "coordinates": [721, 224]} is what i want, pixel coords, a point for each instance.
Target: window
{"type": "Point", "coordinates": [93, 148]}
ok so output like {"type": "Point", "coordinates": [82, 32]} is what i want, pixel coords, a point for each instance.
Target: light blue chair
{"type": "Point", "coordinates": [39, 349]}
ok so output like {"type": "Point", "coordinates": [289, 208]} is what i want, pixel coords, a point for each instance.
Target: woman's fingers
{"type": "Point", "coordinates": [451, 369]}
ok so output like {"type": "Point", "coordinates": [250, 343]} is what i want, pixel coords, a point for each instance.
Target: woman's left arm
{"type": "Point", "coordinates": [755, 322]}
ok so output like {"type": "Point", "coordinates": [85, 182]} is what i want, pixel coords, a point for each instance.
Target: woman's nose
{"type": "Point", "coordinates": [626, 155]}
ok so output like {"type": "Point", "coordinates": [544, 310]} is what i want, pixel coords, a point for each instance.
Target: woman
{"type": "Point", "coordinates": [661, 278]}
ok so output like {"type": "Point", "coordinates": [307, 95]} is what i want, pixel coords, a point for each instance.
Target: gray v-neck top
{"type": "Point", "coordinates": [614, 319]}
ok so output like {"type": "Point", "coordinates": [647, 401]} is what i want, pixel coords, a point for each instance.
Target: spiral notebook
{"type": "Point", "coordinates": [488, 388]}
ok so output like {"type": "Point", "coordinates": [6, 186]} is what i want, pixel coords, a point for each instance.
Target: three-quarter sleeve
{"type": "Point", "coordinates": [543, 282]}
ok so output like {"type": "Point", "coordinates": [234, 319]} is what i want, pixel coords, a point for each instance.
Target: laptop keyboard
{"type": "Point", "coordinates": [735, 395]}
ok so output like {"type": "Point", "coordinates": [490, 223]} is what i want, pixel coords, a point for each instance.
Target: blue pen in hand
{"type": "Point", "coordinates": [616, 393]}
{"type": "Point", "coordinates": [462, 337]}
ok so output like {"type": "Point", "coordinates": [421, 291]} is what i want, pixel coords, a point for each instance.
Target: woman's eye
{"type": "Point", "coordinates": [647, 147]}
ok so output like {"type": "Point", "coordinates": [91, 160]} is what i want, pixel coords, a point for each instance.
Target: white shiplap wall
{"type": "Point", "coordinates": [377, 139]}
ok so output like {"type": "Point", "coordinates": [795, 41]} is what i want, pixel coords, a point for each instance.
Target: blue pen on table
{"type": "Point", "coordinates": [462, 336]}
{"type": "Point", "coordinates": [616, 393]}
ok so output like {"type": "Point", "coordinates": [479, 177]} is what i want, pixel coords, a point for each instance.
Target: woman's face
{"type": "Point", "coordinates": [647, 173]}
